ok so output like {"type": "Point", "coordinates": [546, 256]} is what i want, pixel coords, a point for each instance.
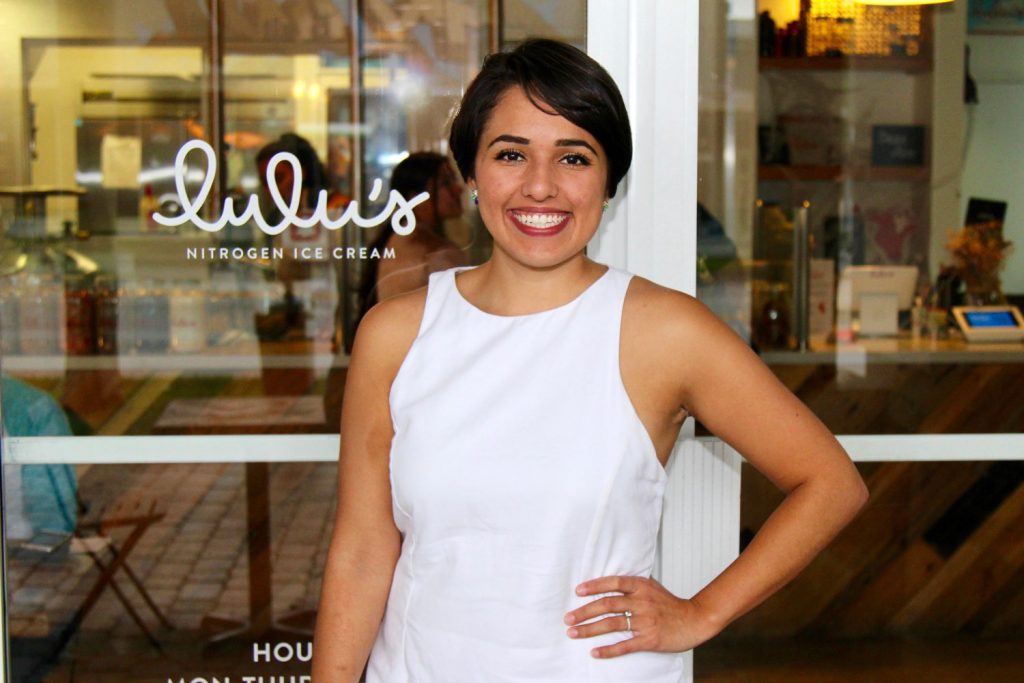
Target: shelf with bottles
{"type": "Point", "coordinates": [839, 173]}
{"type": "Point", "coordinates": [903, 64]}
{"type": "Point", "coordinates": [54, 319]}
{"type": "Point", "coordinates": [243, 357]}
{"type": "Point", "coordinates": [831, 35]}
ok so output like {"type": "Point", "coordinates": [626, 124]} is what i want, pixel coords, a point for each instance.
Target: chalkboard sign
{"type": "Point", "coordinates": [897, 145]}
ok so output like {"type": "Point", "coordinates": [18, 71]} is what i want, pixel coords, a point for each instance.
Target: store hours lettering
{"type": "Point", "coordinates": [398, 208]}
{"type": "Point", "coordinates": [279, 653]}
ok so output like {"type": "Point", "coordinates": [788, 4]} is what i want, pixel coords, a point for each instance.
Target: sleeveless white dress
{"type": "Point", "coordinates": [519, 469]}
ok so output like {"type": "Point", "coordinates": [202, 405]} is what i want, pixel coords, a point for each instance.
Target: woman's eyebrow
{"type": "Point", "coordinates": [565, 142]}
{"type": "Point", "coordinates": [575, 143]}
{"type": "Point", "coordinates": [514, 139]}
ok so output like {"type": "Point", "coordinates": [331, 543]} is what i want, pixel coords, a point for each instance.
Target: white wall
{"type": "Point", "coordinates": [994, 157]}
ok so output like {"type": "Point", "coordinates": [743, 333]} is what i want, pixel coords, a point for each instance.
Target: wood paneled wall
{"type": "Point", "coordinates": [939, 550]}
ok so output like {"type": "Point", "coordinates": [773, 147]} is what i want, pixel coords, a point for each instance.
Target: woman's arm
{"type": "Point", "coordinates": [365, 544]}
{"type": "Point", "coordinates": [734, 394]}
{"type": "Point", "coordinates": [702, 367]}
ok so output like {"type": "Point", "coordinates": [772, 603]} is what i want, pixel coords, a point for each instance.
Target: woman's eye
{"type": "Point", "coordinates": [576, 160]}
{"type": "Point", "coordinates": [509, 155]}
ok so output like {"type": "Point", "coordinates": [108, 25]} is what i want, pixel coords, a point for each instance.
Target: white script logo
{"type": "Point", "coordinates": [398, 207]}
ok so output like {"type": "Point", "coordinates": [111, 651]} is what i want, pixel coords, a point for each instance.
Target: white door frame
{"type": "Point", "coordinates": [650, 49]}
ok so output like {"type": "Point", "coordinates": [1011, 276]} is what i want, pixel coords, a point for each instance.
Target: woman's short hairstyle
{"type": "Point", "coordinates": [554, 76]}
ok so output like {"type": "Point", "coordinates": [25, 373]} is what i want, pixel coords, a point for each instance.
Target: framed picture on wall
{"type": "Point", "coordinates": [995, 16]}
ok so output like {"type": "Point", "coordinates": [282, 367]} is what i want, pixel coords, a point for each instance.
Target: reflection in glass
{"type": "Point", "coordinates": [114, 324]}
{"type": "Point", "coordinates": [850, 121]}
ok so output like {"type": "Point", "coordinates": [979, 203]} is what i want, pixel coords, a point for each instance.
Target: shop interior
{"type": "Point", "coordinates": [853, 155]}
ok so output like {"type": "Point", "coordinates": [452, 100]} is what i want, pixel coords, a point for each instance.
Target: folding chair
{"type": "Point", "coordinates": [137, 517]}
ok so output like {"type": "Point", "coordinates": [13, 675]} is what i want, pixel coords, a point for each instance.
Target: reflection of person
{"type": "Point", "coordinates": [424, 251]}
{"type": "Point", "coordinates": [41, 498]}
{"type": "Point", "coordinates": [314, 176]}
{"type": "Point", "coordinates": [313, 173]}
{"type": "Point", "coordinates": [712, 243]}
{"type": "Point", "coordinates": [288, 268]}
{"type": "Point", "coordinates": [500, 497]}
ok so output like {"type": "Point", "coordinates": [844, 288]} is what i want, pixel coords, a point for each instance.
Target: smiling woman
{"type": "Point", "coordinates": [505, 429]}
{"type": "Point", "coordinates": [550, 185]}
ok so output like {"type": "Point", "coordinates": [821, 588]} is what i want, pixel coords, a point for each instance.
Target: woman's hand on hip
{"type": "Point", "coordinates": [659, 621]}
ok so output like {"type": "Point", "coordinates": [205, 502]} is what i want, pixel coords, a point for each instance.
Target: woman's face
{"type": "Point", "coordinates": [541, 181]}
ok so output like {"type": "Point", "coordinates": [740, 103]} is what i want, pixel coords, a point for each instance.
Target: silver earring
{"type": "Point", "coordinates": [604, 206]}
{"type": "Point", "coordinates": [475, 196]}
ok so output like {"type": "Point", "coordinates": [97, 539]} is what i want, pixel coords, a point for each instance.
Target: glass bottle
{"type": "Point", "coordinates": [107, 301]}
{"type": "Point", "coordinates": [186, 318]}
{"type": "Point", "coordinates": [127, 338]}
{"type": "Point", "coordinates": [79, 315]}
{"type": "Point", "coordinates": [41, 315]}
{"type": "Point", "coordinates": [773, 321]}
{"type": "Point", "coordinates": [152, 318]}
{"type": "Point", "coordinates": [8, 315]}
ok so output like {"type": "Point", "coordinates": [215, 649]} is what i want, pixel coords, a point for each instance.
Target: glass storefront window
{"type": "Point", "coordinates": [839, 164]}
{"type": "Point", "coordinates": [855, 172]}
{"type": "Point", "coordinates": [161, 557]}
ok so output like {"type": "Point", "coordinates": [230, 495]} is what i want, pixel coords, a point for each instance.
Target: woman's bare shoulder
{"type": "Point", "coordinates": [388, 330]}
{"type": "Point", "coordinates": [673, 348]}
{"type": "Point", "coordinates": [670, 321]}
{"type": "Point", "coordinates": [663, 308]}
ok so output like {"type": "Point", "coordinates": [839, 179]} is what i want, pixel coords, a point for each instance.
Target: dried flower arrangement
{"type": "Point", "coordinates": [979, 252]}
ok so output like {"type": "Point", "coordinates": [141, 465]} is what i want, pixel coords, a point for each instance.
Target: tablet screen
{"type": "Point", "coordinates": [990, 318]}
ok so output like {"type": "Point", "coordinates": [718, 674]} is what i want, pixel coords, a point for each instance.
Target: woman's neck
{"type": "Point", "coordinates": [504, 284]}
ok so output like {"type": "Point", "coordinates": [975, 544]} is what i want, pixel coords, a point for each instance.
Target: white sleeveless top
{"type": "Point", "coordinates": [519, 469]}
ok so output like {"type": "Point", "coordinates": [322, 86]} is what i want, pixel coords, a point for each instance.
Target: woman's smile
{"type": "Point", "coordinates": [539, 223]}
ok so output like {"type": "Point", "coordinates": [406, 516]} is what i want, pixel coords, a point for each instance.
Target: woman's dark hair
{"type": "Point", "coordinates": [313, 174]}
{"type": "Point", "coordinates": [555, 76]}
{"type": "Point", "coordinates": [416, 173]}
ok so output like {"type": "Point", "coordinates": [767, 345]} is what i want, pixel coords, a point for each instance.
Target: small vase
{"type": "Point", "coordinates": [984, 295]}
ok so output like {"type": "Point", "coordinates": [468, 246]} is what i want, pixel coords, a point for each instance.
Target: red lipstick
{"type": "Point", "coordinates": [539, 223]}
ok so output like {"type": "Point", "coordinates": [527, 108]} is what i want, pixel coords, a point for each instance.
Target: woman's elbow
{"type": "Point", "coordinates": [856, 493]}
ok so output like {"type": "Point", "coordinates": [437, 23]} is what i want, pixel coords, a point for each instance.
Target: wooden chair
{"type": "Point", "coordinates": [93, 537]}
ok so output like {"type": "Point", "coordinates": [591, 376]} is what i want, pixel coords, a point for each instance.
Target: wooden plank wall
{"type": "Point", "coordinates": [939, 550]}
{"type": "Point", "coordinates": [893, 572]}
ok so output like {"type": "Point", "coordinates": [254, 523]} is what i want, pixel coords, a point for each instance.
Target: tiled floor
{"type": "Point", "coordinates": [193, 563]}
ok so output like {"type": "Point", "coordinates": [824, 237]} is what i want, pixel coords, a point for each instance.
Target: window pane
{"type": "Point", "coordinates": [116, 323]}
{"type": "Point", "coordinates": [839, 167]}
{"type": "Point", "coordinates": [838, 163]}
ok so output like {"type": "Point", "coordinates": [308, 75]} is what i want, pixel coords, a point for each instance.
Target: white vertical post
{"type": "Point", "coordinates": [650, 47]}
{"type": "Point", "coordinates": [700, 525]}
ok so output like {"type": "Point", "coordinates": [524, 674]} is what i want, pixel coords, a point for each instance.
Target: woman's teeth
{"type": "Point", "coordinates": [540, 220]}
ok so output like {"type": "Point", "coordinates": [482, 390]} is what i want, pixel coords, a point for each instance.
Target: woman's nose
{"type": "Point", "coordinates": [539, 183]}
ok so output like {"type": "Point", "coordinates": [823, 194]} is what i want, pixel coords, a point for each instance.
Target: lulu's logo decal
{"type": "Point", "coordinates": [398, 208]}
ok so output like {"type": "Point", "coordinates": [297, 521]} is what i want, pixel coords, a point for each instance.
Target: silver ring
{"type": "Point", "coordinates": [629, 621]}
